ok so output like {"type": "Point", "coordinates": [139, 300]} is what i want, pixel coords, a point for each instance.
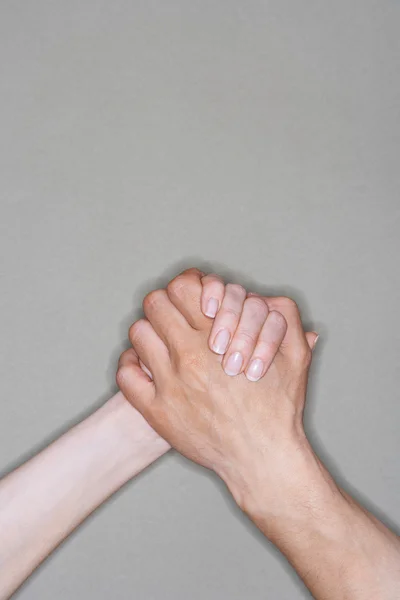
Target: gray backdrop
{"type": "Point", "coordinates": [260, 139]}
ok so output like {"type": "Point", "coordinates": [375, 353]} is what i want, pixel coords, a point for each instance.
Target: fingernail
{"type": "Point", "coordinates": [315, 341]}
{"type": "Point", "coordinates": [234, 364]}
{"type": "Point", "coordinates": [212, 307]}
{"type": "Point", "coordinates": [255, 370]}
{"type": "Point", "coordinates": [221, 341]}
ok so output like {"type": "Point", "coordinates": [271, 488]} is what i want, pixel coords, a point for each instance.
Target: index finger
{"type": "Point", "coordinates": [295, 338]}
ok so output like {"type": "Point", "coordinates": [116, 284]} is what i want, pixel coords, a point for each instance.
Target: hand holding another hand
{"type": "Point", "coordinates": [250, 434]}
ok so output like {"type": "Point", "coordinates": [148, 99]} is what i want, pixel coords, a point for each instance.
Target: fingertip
{"type": "Point", "coordinates": [211, 307]}
{"type": "Point", "coordinates": [212, 294]}
{"type": "Point", "coordinates": [312, 339]}
{"type": "Point", "coordinates": [279, 321]}
{"type": "Point", "coordinates": [255, 370]}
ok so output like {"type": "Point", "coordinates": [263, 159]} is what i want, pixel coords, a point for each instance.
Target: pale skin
{"type": "Point", "coordinates": [46, 498]}
{"type": "Point", "coordinates": [251, 433]}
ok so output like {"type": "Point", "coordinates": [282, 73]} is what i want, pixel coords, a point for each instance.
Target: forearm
{"type": "Point", "coordinates": [43, 501]}
{"type": "Point", "coordinates": [337, 547]}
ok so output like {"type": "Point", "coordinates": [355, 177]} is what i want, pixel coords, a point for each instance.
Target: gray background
{"type": "Point", "coordinates": [260, 139]}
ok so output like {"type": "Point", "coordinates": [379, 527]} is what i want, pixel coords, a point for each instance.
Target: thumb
{"type": "Point", "coordinates": [137, 387]}
{"type": "Point", "coordinates": [312, 338]}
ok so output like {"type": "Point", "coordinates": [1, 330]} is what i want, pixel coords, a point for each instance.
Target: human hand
{"type": "Point", "coordinates": [248, 433]}
{"type": "Point", "coordinates": [244, 330]}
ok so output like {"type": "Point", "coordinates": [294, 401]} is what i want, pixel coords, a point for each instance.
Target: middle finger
{"type": "Point", "coordinates": [254, 314]}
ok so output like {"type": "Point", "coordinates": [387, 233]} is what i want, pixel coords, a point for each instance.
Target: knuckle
{"type": "Point", "coordinates": [177, 285]}
{"type": "Point", "coordinates": [123, 358]}
{"type": "Point", "coordinates": [278, 319]}
{"type": "Point", "coordinates": [152, 298]}
{"type": "Point", "coordinates": [212, 278]}
{"type": "Point", "coordinates": [289, 303]}
{"type": "Point", "coordinates": [245, 337]}
{"type": "Point", "coordinates": [257, 305]}
{"type": "Point", "coordinates": [192, 271]}
{"type": "Point", "coordinates": [254, 294]}
{"type": "Point", "coordinates": [265, 349]}
{"type": "Point", "coordinates": [214, 287]}
{"type": "Point", "coordinates": [230, 313]}
{"type": "Point", "coordinates": [121, 375]}
{"type": "Point", "coordinates": [134, 330]}
{"type": "Point", "coordinates": [236, 290]}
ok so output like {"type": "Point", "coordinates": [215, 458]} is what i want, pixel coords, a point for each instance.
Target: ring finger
{"type": "Point", "coordinates": [268, 343]}
{"type": "Point", "coordinates": [227, 319]}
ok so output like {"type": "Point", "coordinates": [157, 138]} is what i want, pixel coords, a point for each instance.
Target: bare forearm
{"type": "Point", "coordinates": [338, 548]}
{"type": "Point", "coordinates": [43, 501]}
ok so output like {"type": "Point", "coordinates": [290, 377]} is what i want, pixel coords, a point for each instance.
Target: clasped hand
{"type": "Point", "coordinates": [249, 432]}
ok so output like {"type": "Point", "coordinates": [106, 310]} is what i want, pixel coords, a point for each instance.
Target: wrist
{"type": "Point", "coordinates": [285, 487]}
{"type": "Point", "coordinates": [129, 443]}
{"type": "Point", "coordinates": [323, 532]}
